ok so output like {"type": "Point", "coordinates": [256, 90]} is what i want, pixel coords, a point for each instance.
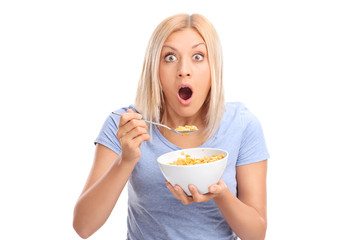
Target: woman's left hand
{"type": "Point", "coordinates": [215, 190]}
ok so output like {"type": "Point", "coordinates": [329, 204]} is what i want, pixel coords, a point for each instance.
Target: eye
{"type": "Point", "coordinates": [170, 58]}
{"type": "Point", "coordinates": [198, 57]}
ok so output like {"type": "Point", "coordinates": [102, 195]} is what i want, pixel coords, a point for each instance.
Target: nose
{"type": "Point", "coordinates": [184, 69]}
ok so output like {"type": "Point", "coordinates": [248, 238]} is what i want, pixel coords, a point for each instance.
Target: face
{"type": "Point", "coordinates": [184, 73]}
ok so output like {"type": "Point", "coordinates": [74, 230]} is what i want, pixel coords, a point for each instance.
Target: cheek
{"type": "Point", "coordinates": [202, 88]}
{"type": "Point", "coordinates": [162, 74]}
{"type": "Point", "coordinates": [205, 73]}
{"type": "Point", "coordinates": [202, 81]}
{"type": "Point", "coordinates": [165, 72]}
{"type": "Point", "coordinates": [205, 78]}
{"type": "Point", "coordinates": [163, 78]}
{"type": "Point", "coordinates": [167, 84]}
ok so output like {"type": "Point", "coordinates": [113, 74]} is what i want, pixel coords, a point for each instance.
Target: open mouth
{"type": "Point", "coordinates": [185, 93]}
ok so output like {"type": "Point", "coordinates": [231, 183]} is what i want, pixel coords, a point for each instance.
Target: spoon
{"type": "Point", "coordinates": [161, 125]}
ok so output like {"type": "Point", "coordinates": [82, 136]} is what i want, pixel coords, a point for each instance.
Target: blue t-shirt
{"type": "Point", "coordinates": [153, 212]}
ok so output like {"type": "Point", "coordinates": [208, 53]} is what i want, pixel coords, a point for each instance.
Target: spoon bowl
{"type": "Point", "coordinates": [162, 125]}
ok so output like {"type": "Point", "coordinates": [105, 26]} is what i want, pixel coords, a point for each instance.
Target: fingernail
{"type": "Point", "coordinates": [177, 189]}
{"type": "Point", "coordinates": [191, 188]}
{"type": "Point", "coordinates": [139, 116]}
{"type": "Point", "coordinates": [212, 189]}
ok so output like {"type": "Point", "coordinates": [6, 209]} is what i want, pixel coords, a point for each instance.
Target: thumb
{"type": "Point", "coordinates": [213, 189]}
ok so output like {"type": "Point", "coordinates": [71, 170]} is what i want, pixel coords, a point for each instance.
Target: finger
{"type": "Point", "coordinates": [218, 188]}
{"type": "Point", "coordinates": [130, 126]}
{"type": "Point", "coordinates": [170, 187]}
{"type": "Point", "coordinates": [139, 139]}
{"type": "Point", "coordinates": [197, 197]}
{"type": "Point", "coordinates": [222, 184]}
{"type": "Point", "coordinates": [179, 193]}
{"type": "Point", "coordinates": [213, 189]}
{"type": "Point", "coordinates": [182, 196]}
{"type": "Point", "coordinates": [128, 116]}
{"type": "Point", "coordinates": [172, 190]}
{"type": "Point", "coordinates": [133, 124]}
{"type": "Point", "coordinates": [134, 134]}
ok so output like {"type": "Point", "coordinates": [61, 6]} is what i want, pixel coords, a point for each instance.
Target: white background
{"type": "Point", "coordinates": [65, 65]}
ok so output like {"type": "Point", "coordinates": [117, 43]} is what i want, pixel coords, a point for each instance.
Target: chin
{"type": "Point", "coordinates": [188, 110]}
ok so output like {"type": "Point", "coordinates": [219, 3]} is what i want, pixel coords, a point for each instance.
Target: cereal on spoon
{"type": "Point", "coordinates": [186, 128]}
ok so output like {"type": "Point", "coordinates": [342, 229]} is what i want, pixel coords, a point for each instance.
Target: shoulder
{"type": "Point", "coordinates": [236, 120]}
{"type": "Point", "coordinates": [112, 121]}
{"type": "Point", "coordinates": [107, 135]}
{"type": "Point", "coordinates": [238, 113]}
{"type": "Point", "coordinates": [124, 109]}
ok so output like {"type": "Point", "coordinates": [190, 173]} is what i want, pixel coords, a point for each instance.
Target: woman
{"type": "Point", "coordinates": [181, 84]}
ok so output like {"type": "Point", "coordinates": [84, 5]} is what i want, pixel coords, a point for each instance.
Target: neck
{"type": "Point", "coordinates": [173, 120]}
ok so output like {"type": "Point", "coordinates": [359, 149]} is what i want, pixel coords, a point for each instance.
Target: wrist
{"type": "Point", "coordinates": [123, 161]}
{"type": "Point", "coordinates": [225, 194]}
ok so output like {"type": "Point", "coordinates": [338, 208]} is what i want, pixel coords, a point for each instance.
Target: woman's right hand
{"type": "Point", "coordinates": [131, 133]}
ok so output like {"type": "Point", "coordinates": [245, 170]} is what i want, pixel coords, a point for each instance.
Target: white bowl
{"type": "Point", "coordinates": [201, 175]}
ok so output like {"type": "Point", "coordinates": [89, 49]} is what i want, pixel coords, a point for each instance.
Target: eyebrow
{"type": "Point", "coordinates": [195, 46]}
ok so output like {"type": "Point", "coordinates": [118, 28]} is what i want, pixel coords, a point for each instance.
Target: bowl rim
{"type": "Point", "coordinates": [195, 165]}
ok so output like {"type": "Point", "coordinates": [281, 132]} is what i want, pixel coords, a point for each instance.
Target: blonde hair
{"type": "Point", "coordinates": [149, 97]}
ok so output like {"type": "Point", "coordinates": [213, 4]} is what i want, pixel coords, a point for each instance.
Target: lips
{"type": "Point", "coordinates": [185, 94]}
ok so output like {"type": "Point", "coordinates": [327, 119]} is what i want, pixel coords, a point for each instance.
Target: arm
{"type": "Point", "coordinates": [109, 176]}
{"type": "Point", "coordinates": [105, 183]}
{"type": "Point", "coordinates": [245, 214]}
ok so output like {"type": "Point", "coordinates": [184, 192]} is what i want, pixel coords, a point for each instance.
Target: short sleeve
{"type": "Point", "coordinates": [107, 135]}
{"type": "Point", "coordinates": [253, 147]}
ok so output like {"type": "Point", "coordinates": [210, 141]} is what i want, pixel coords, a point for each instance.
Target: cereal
{"type": "Point", "coordinates": [186, 128]}
{"type": "Point", "coordinates": [188, 160]}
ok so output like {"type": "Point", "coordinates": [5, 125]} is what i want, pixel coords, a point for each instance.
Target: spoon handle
{"type": "Point", "coordinates": [161, 125]}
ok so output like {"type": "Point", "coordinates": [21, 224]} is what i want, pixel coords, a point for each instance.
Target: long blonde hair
{"type": "Point", "coordinates": [149, 97]}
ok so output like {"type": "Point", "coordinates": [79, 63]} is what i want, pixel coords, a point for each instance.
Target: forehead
{"type": "Point", "coordinates": [187, 36]}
